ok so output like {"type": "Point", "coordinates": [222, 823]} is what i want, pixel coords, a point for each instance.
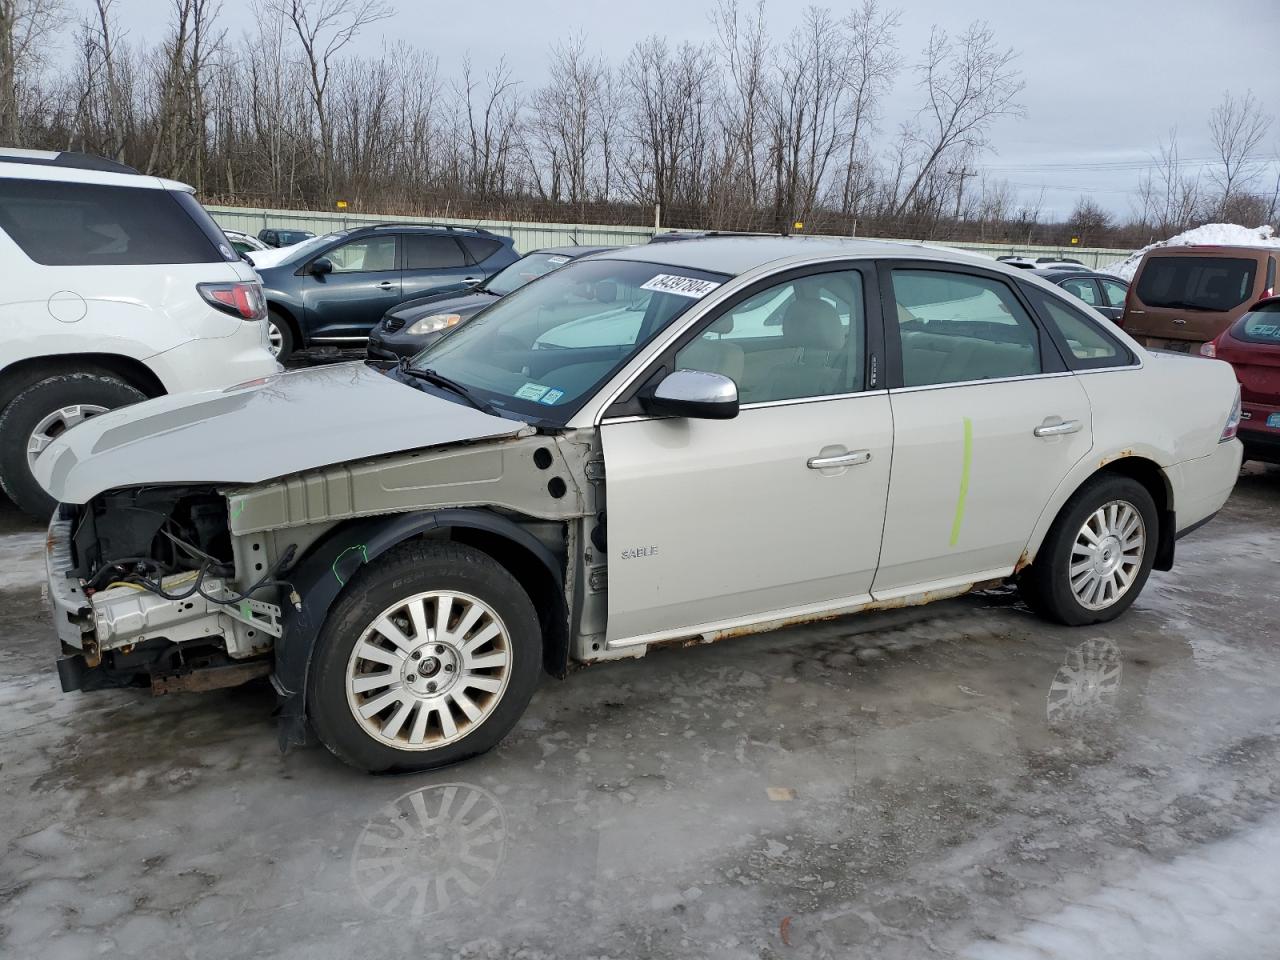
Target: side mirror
{"type": "Point", "coordinates": [695, 393]}
{"type": "Point", "coordinates": [321, 265]}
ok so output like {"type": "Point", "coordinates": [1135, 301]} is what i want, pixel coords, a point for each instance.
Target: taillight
{"type": "Point", "coordinates": [1233, 420]}
{"type": "Point", "coordinates": [243, 299]}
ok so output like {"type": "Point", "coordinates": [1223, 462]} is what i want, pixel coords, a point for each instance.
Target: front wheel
{"type": "Point", "coordinates": [1098, 555]}
{"type": "Point", "coordinates": [430, 657]}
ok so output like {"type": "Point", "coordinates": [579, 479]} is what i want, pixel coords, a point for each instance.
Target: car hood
{"type": "Point", "coordinates": [465, 305]}
{"type": "Point", "coordinates": [258, 431]}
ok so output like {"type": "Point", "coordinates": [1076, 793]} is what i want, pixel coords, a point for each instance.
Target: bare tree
{"type": "Point", "coordinates": [871, 63]}
{"type": "Point", "coordinates": [969, 83]}
{"type": "Point", "coordinates": [1167, 198]}
{"type": "Point", "coordinates": [490, 120]}
{"type": "Point", "coordinates": [26, 26]}
{"type": "Point", "coordinates": [1088, 220]}
{"type": "Point", "coordinates": [1238, 127]}
{"type": "Point", "coordinates": [323, 28]}
{"type": "Point", "coordinates": [567, 123]}
{"type": "Point", "coordinates": [745, 50]}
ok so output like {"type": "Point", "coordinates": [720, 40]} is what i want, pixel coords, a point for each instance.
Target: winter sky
{"type": "Point", "coordinates": [1106, 79]}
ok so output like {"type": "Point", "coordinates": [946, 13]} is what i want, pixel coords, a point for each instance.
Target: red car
{"type": "Point", "coordinates": [1252, 346]}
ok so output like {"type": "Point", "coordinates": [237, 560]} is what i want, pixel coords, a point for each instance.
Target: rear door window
{"type": "Point", "coordinates": [80, 224]}
{"type": "Point", "coordinates": [957, 327]}
{"type": "Point", "coordinates": [1083, 288]}
{"type": "Point", "coordinates": [1196, 283]}
{"type": "Point", "coordinates": [426, 252]}
{"type": "Point", "coordinates": [1114, 293]}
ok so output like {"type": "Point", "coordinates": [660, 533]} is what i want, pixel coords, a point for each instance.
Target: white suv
{"type": "Point", "coordinates": [118, 287]}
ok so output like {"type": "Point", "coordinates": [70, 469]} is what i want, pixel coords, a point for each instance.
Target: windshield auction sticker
{"type": "Point", "coordinates": [532, 391]}
{"type": "Point", "coordinates": [680, 286]}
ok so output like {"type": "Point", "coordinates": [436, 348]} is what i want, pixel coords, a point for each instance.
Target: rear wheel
{"type": "Point", "coordinates": [39, 415]}
{"type": "Point", "coordinates": [1098, 555]}
{"type": "Point", "coordinates": [430, 657]}
{"type": "Point", "coordinates": [279, 336]}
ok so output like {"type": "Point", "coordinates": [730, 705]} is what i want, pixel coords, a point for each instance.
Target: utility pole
{"type": "Point", "coordinates": [964, 173]}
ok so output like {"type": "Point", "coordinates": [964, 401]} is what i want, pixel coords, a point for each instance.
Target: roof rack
{"type": "Point", "coordinates": [63, 158]}
{"type": "Point", "coordinates": [401, 225]}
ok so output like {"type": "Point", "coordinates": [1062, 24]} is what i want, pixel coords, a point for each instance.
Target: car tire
{"type": "Point", "coordinates": [279, 336]}
{"type": "Point", "coordinates": [48, 408]}
{"type": "Point", "coordinates": [1110, 523]}
{"type": "Point", "coordinates": [387, 694]}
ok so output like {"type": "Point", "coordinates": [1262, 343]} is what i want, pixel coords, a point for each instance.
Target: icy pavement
{"type": "Point", "coordinates": [957, 781]}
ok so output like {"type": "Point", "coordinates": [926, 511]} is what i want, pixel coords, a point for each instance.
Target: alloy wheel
{"type": "Point", "coordinates": [428, 670]}
{"type": "Point", "coordinates": [55, 424]}
{"type": "Point", "coordinates": [275, 339]}
{"type": "Point", "coordinates": [1106, 555]}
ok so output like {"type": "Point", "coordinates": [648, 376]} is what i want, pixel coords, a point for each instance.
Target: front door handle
{"type": "Point", "coordinates": [1057, 427]}
{"type": "Point", "coordinates": [840, 460]}
{"type": "Point", "coordinates": [471, 281]}
{"type": "Point", "coordinates": [385, 285]}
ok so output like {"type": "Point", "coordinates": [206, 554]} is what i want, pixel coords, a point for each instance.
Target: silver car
{"type": "Point", "coordinates": [678, 442]}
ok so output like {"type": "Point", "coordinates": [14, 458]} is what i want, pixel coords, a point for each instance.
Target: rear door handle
{"type": "Point", "coordinates": [471, 281]}
{"type": "Point", "coordinates": [385, 285]}
{"type": "Point", "coordinates": [1057, 427]}
{"type": "Point", "coordinates": [851, 459]}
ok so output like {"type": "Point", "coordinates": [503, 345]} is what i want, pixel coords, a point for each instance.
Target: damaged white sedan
{"type": "Point", "coordinates": [679, 442]}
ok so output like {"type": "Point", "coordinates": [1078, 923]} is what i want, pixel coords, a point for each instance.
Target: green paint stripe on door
{"type": "Point", "coordinates": [964, 482]}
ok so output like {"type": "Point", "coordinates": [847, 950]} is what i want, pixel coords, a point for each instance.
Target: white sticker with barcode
{"type": "Point", "coordinates": [680, 286]}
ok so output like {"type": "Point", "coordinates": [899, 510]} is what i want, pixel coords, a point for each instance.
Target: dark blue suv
{"type": "Point", "coordinates": [329, 292]}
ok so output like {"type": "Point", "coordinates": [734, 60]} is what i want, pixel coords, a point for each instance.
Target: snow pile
{"type": "Point", "coordinates": [1211, 234]}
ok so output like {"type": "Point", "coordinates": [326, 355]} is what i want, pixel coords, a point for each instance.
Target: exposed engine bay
{"type": "Point", "coordinates": [150, 588]}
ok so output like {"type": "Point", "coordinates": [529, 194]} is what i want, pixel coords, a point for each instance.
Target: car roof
{"type": "Point", "coordinates": [736, 255]}
{"type": "Point", "coordinates": [573, 251]}
{"type": "Point", "coordinates": [1199, 250]}
{"type": "Point", "coordinates": [69, 167]}
{"type": "Point", "coordinates": [1059, 273]}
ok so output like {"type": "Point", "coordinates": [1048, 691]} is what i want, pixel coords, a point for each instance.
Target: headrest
{"type": "Point", "coordinates": [812, 323]}
{"type": "Point", "coordinates": [723, 324]}
{"type": "Point", "coordinates": [606, 291]}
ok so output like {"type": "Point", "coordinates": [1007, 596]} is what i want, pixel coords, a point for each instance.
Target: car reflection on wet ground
{"type": "Point", "coordinates": [959, 780]}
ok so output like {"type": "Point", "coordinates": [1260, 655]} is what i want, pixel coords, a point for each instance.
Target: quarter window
{"type": "Point", "coordinates": [369, 255]}
{"type": "Point", "coordinates": [1089, 344]}
{"type": "Point", "coordinates": [79, 224]}
{"type": "Point", "coordinates": [802, 338]}
{"type": "Point", "coordinates": [957, 327]}
{"type": "Point", "coordinates": [480, 249]}
{"type": "Point", "coordinates": [1083, 289]}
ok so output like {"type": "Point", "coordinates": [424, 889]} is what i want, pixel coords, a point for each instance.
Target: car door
{"type": "Point", "coordinates": [436, 263]}
{"type": "Point", "coordinates": [345, 304]}
{"type": "Point", "coordinates": [1113, 294]}
{"type": "Point", "coordinates": [776, 513]}
{"type": "Point", "coordinates": [987, 422]}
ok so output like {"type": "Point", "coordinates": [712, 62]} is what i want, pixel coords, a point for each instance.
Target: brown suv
{"type": "Point", "coordinates": [1182, 297]}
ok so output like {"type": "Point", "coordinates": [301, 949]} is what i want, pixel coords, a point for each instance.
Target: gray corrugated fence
{"type": "Point", "coordinates": [531, 236]}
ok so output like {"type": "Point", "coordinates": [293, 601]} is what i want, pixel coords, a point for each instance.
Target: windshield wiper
{"type": "Point", "coordinates": [436, 379]}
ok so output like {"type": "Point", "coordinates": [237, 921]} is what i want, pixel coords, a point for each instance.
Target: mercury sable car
{"type": "Point", "coordinates": [667, 443]}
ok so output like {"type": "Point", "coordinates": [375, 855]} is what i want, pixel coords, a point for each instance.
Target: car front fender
{"type": "Point", "coordinates": [328, 567]}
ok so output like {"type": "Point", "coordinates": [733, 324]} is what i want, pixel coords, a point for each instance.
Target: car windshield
{"type": "Point", "coordinates": [542, 351]}
{"type": "Point", "coordinates": [527, 268]}
{"type": "Point", "coordinates": [1196, 283]}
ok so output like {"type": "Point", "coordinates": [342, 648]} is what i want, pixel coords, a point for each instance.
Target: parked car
{"type": "Point", "coordinates": [405, 329]}
{"type": "Point", "coordinates": [331, 291]}
{"type": "Point", "coordinates": [1038, 263]}
{"type": "Point", "coordinates": [628, 453]}
{"type": "Point", "coordinates": [1101, 291]}
{"type": "Point", "coordinates": [273, 237]}
{"type": "Point", "coordinates": [117, 287]}
{"type": "Point", "coordinates": [1183, 297]}
{"type": "Point", "coordinates": [1252, 346]}
{"type": "Point", "coordinates": [243, 243]}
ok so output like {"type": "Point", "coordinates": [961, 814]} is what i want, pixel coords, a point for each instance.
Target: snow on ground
{"type": "Point", "coordinates": [1211, 234]}
{"type": "Point", "coordinates": [21, 560]}
{"type": "Point", "coordinates": [1218, 901]}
